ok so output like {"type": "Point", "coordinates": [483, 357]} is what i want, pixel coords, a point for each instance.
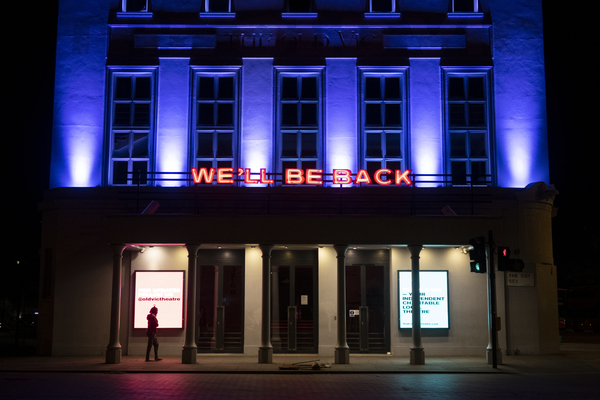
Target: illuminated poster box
{"type": "Point", "coordinates": [163, 289]}
{"type": "Point", "coordinates": [434, 299]}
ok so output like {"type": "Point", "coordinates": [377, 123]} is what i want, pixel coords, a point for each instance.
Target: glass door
{"type": "Point", "coordinates": [294, 304]}
{"type": "Point", "coordinates": [220, 306]}
{"type": "Point", "coordinates": [367, 305]}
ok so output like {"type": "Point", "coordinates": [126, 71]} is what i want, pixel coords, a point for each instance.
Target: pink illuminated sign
{"type": "Point", "coordinates": [163, 289]}
{"type": "Point", "coordinates": [297, 176]}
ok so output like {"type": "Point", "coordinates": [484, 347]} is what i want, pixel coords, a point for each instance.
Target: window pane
{"type": "Point", "coordinates": [120, 173]}
{"type": "Point", "coordinates": [205, 114]}
{"type": "Point", "coordinates": [456, 89]}
{"type": "Point", "coordinates": [288, 165]}
{"type": "Point", "coordinates": [226, 88]}
{"type": "Point", "coordinates": [218, 6]}
{"type": "Point", "coordinates": [289, 89]}
{"type": "Point", "coordinates": [140, 145]}
{"type": "Point", "coordinates": [374, 145]}
{"type": "Point", "coordinates": [372, 89]}
{"type": "Point", "coordinates": [205, 145]}
{"type": "Point", "coordinates": [477, 141]}
{"type": "Point", "coordinates": [224, 144]}
{"type": "Point", "coordinates": [121, 145]}
{"type": "Point", "coordinates": [205, 164]}
{"type": "Point", "coordinates": [289, 144]}
{"type": "Point", "coordinates": [392, 89]}
{"type": "Point", "coordinates": [142, 89]}
{"type": "Point", "coordinates": [381, 5]}
{"type": "Point", "coordinates": [309, 144]}
{"type": "Point", "coordinates": [141, 116]}
{"type": "Point", "coordinates": [478, 172]}
{"type": "Point", "coordinates": [122, 115]}
{"type": "Point", "coordinates": [373, 116]}
{"type": "Point", "coordinates": [309, 165]}
{"type": "Point", "coordinates": [392, 115]}
{"type": "Point", "coordinates": [476, 115]}
{"type": "Point", "coordinates": [372, 167]}
{"type": "Point", "coordinates": [123, 88]}
{"type": "Point", "coordinates": [140, 172]}
{"type": "Point", "coordinates": [463, 6]}
{"type": "Point", "coordinates": [309, 114]}
{"type": "Point", "coordinates": [225, 114]}
{"type": "Point", "coordinates": [457, 114]}
{"type": "Point", "coordinates": [393, 165]}
{"type": "Point", "coordinates": [392, 145]}
{"type": "Point", "coordinates": [297, 6]}
{"type": "Point", "coordinates": [136, 5]}
{"type": "Point", "coordinates": [206, 88]}
{"type": "Point", "coordinates": [224, 164]}
{"type": "Point", "coordinates": [289, 114]}
{"type": "Point", "coordinates": [459, 172]}
{"type": "Point", "coordinates": [309, 88]}
{"type": "Point", "coordinates": [476, 89]}
{"type": "Point", "coordinates": [458, 144]}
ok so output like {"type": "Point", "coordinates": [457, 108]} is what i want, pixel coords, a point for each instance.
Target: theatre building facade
{"type": "Point", "coordinates": [333, 178]}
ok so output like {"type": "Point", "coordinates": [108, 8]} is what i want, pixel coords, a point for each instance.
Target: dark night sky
{"type": "Point", "coordinates": [573, 141]}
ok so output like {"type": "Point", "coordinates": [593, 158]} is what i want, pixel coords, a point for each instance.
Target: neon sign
{"type": "Point", "coordinates": [297, 176]}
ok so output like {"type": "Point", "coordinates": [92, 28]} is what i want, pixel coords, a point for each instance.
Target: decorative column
{"type": "Point", "coordinates": [265, 351]}
{"type": "Point", "coordinates": [342, 351]}
{"type": "Point", "coordinates": [190, 350]}
{"type": "Point", "coordinates": [417, 355]}
{"type": "Point", "coordinates": [113, 350]}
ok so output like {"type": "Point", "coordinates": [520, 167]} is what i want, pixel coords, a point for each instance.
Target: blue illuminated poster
{"type": "Point", "coordinates": [434, 299]}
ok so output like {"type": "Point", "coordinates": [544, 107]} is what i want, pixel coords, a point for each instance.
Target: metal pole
{"type": "Point", "coordinates": [492, 301]}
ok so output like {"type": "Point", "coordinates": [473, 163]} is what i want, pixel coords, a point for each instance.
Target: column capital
{"type": "Point", "coordinates": [266, 249]}
{"type": "Point", "coordinates": [340, 249]}
{"type": "Point", "coordinates": [415, 250]}
{"type": "Point", "coordinates": [192, 249]}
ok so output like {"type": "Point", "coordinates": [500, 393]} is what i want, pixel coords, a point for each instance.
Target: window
{"type": "Point", "coordinates": [299, 119]}
{"type": "Point", "coordinates": [134, 5]}
{"type": "Point", "coordinates": [465, 6]}
{"type": "Point", "coordinates": [131, 118]}
{"type": "Point", "coordinates": [467, 119]}
{"type": "Point", "coordinates": [382, 6]}
{"type": "Point", "coordinates": [215, 119]}
{"type": "Point", "coordinates": [383, 117]}
{"type": "Point", "coordinates": [299, 6]}
{"type": "Point", "coordinates": [217, 6]}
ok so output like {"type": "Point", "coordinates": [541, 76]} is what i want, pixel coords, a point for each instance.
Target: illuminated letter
{"type": "Point", "coordinates": [247, 178]}
{"type": "Point", "coordinates": [224, 175]}
{"type": "Point", "coordinates": [341, 176]}
{"type": "Point", "coordinates": [378, 179]}
{"type": "Point", "coordinates": [204, 174]}
{"type": "Point", "coordinates": [294, 176]}
{"type": "Point", "coordinates": [403, 177]}
{"type": "Point", "coordinates": [362, 177]}
{"type": "Point", "coordinates": [263, 176]}
{"type": "Point", "coordinates": [314, 176]}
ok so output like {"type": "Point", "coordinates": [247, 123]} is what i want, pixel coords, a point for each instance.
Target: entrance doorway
{"type": "Point", "coordinates": [368, 301]}
{"type": "Point", "coordinates": [294, 301]}
{"type": "Point", "coordinates": [220, 301]}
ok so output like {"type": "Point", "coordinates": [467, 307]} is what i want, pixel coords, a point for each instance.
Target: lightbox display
{"type": "Point", "coordinates": [434, 299]}
{"type": "Point", "coordinates": [163, 289]}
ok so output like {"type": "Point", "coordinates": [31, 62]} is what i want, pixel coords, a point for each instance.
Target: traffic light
{"type": "Point", "coordinates": [477, 255]}
{"type": "Point", "coordinates": [504, 262]}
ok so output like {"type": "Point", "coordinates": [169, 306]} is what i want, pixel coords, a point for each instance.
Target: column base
{"type": "Point", "coordinates": [265, 355]}
{"type": "Point", "coordinates": [488, 356]}
{"type": "Point", "coordinates": [188, 355]}
{"type": "Point", "coordinates": [342, 355]}
{"type": "Point", "coordinates": [113, 356]}
{"type": "Point", "coordinates": [417, 357]}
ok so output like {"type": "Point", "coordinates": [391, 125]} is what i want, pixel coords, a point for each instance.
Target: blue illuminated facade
{"type": "Point", "coordinates": [451, 92]}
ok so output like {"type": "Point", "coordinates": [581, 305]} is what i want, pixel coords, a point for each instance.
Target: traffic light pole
{"type": "Point", "coordinates": [492, 301]}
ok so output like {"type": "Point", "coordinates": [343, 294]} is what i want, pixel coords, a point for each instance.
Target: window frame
{"type": "Point", "coordinates": [393, 10]}
{"type": "Point", "coordinates": [198, 72]}
{"type": "Point", "coordinates": [299, 72]}
{"type": "Point", "coordinates": [469, 130]}
{"type": "Point", "coordinates": [382, 129]}
{"type": "Point", "coordinates": [112, 129]}
{"type": "Point", "coordinates": [206, 8]}
{"type": "Point", "coordinates": [124, 7]}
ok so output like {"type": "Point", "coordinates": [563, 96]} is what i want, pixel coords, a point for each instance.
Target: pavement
{"type": "Point", "coordinates": [574, 358]}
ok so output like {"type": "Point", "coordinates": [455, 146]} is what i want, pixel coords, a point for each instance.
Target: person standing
{"type": "Point", "coordinates": [151, 333]}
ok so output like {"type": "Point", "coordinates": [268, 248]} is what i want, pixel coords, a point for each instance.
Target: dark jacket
{"type": "Point", "coordinates": [152, 324]}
